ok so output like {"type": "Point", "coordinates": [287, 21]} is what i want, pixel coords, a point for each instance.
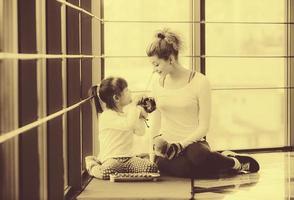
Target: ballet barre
{"type": "Point", "coordinates": [79, 9]}
{"type": "Point", "coordinates": [24, 56]}
{"type": "Point", "coordinates": [6, 136]}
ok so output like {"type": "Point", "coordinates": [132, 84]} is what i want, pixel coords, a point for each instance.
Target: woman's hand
{"type": "Point", "coordinates": [160, 146]}
{"type": "Point", "coordinates": [174, 150]}
{"type": "Point", "coordinates": [166, 150]}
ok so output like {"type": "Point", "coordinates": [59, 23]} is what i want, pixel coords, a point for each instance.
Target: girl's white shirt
{"type": "Point", "coordinates": [183, 114]}
{"type": "Point", "coordinates": [116, 132]}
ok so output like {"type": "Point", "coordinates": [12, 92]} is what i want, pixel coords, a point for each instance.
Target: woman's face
{"type": "Point", "coordinates": [161, 66]}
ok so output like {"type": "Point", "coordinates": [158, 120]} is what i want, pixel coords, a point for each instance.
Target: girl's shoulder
{"type": "Point", "coordinates": [107, 113]}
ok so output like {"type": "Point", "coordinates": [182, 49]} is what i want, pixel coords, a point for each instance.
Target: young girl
{"type": "Point", "coordinates": [118, 122]}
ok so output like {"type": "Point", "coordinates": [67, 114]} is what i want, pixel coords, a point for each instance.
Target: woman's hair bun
{"type": "Point", "coordinates": [161, 35]}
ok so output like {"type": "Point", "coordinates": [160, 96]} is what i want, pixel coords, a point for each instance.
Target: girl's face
{"type": "Point", "coordinates": [125, 97]}
{"type": "Point", "coordinates": [161, 66]}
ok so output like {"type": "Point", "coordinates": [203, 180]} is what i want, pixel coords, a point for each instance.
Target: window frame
{"type": "Point", "coordinates": [9, 150]}
{"type": "Point", "coordinates": [290, 63]}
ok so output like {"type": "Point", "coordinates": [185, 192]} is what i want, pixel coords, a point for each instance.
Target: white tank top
{"type": "Point", "coordinates": [179, 108]}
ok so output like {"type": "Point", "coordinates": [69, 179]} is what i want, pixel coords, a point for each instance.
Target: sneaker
{"type": "Point", "coordinates": [229, 153]}
{"type": "Point", "coordinates": [248, 164]}
{"type": "Point", "coordinates": [91, 161]}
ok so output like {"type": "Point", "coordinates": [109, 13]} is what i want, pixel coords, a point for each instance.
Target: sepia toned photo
{"type": "Point", "coordinates": [146, 99]}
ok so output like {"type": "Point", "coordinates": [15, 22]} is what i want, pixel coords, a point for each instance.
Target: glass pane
{"type": "Point", "coordinates": [137, 71]}
{"type": "Point", "coordinates": [132, 39]}
{"type": "Point", "coordinates": [247, 118]}
{"type": "Point", "coordinates": [246, 10]}
{"type": "Point", "coordinates": [246, 39]}
{"type": "Point", "coordinates": [147, 10]}
{"type": "Point", "coordinates": [246, 72]}
{"type": "Point", "coordinates": [243, 119]}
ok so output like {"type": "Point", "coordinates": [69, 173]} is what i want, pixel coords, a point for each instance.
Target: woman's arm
{"type": "Point", "coordinates": [155, 124]}
{"type": "Point", "coordinates": [204, 98]}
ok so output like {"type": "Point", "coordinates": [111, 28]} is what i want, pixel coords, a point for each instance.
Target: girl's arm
{"type": "Point", "coordinates": [125, 123]}
{"type": "Point", "coordinates": [140, 127]}
{"type": "Point", "coordinates": [140, 124]}
{"type": "Point", "coordinates": [204, 99]}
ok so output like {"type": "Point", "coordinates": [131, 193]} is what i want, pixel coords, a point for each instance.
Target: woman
{"type": "Point", "coordinates": [181, 122]}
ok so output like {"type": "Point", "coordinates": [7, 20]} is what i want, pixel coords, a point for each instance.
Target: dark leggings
{"type": "Point", "coordinates": [197, 160]}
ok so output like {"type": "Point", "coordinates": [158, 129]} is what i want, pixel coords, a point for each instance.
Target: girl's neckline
{"type": "Point", "coordinates": [191, 78]}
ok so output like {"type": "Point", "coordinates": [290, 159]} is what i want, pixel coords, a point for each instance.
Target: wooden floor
{"type": "Point", "coordinates": [275, 181]}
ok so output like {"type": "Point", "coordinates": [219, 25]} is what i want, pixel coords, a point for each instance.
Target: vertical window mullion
{"type": "Point", "coordinates": [202, 36]}
{"type": "Point", "coordinates": [196, 36]}
{"type": "Point", "coordinates": [41, 90]}
{"type": "Point", "coordinates": [290, 43]}
{"type": "Point", "coordinates": [9, 151]}
{"type": "Point", "coordinates": [102, 46]}
{"type": "Point", "coordinates": [64, 93]}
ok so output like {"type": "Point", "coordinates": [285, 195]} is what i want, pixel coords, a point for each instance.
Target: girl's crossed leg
{"type": "Point", "coordinates": [121, 165]}
{"type": "Point", "coordinates": [137, 165]}
{"type": "Point", "coordinates": [110, 166]}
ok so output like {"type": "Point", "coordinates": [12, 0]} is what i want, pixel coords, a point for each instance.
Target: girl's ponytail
{"type": "Point", "coordinates": [93, 93]}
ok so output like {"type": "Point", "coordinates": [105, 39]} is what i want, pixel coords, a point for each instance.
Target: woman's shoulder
{"type": "Point", "coordinates": [200, 82]}
{"type": "Point", "coordinates": [200, 78]}
{"type": "Point", "coordinates": [200, 75]}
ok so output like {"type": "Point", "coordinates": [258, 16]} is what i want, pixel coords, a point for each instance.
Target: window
{"type": "Point", "coordinates": [250, 40]}
{"type": "Point", "coordinates": [128, 34]}
{"type": "Point", "coordinates": [245, 48]}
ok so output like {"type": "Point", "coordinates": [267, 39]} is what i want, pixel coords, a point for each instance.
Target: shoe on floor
{"type": "Point", "coordinates": [248, 163]}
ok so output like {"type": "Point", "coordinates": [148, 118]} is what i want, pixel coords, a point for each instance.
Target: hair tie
{"type": "Point", "coordinates": [94, 93]}
{"type": "Point", "coordinates": [160, 35]}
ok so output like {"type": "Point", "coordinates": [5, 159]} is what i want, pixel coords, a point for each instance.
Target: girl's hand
{"type": "Point", "coordinates": [138, 98]}
{"type": "Point", "coordinates": [143, 113]}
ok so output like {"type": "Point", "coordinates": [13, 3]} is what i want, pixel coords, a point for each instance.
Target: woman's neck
{"type": "Point", "coordinates": [178, 72]}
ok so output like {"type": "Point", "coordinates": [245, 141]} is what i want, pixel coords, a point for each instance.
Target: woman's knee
{"type": "Point", "coordinates": [162, 164]}
{"type": "Point", "coordinates": [197, 152]}
{"type": "Point", "coordinates": [179, 167]}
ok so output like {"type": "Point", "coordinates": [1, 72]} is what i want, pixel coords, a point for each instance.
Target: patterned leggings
{"type": "Point", "coordinates": [122, 165]}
